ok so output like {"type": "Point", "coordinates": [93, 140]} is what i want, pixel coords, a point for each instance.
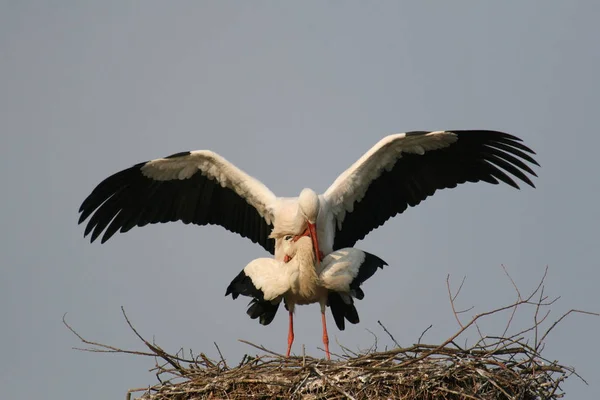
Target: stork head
{"type": "Point", "coordinates": [288, 247]}
{"type": "Point", "coordinates": [308, 202]}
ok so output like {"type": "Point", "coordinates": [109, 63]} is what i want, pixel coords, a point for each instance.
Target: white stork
{"type": "Point", "coordinates": [302, 279]}
{"type": "Point", "coordinates": [401, 170]}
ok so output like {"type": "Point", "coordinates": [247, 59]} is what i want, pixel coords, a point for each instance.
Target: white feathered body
{"type": "Point", "coordinates": [296, 281]}
{"type": "Point", "coordinates": [302, 280]}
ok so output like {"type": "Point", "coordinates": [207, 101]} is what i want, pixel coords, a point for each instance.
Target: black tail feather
{"type": "Point", "coordinates": [342, 304]}
{"type": "Point", "coordinates": [341, 310]}
{"type": "Point", "coordinates": [263, 310]}
{"type": "Point", "coordinates": [367, 269]}
{"type": "Point", "coordinates": [352, 314]}
{"type": "Point", "coordinates": [258, 307]}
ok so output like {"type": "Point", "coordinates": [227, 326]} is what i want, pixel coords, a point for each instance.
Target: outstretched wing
{"type": "Point", "coordinates": [198, 187]}
{"type": "Point", "coordinates": [404, 169]}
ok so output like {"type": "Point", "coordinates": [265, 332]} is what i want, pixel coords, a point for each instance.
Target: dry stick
{"type": "Point", "coordinates": [331, 353]}
{"type": "Point", "coordinates": [518, 334]}
{"type": "Point", "coordinates": [303, 356]}
{"type": "Point", "coordinates": [480, 334]}
{"type": "Point", "coordinates": [457, 334]}
{"type": "Point", "coordinates": [144, 389]}
{"type": "Point", "coordinates": [108, 349]}
{"type": "Point", "coordinates": [514, 306]}
{"type": "Point", "coordinates": [478, 316]}
{"type": "Point", "coordinates": [373, 347]}
{"type": "Point", "coordinates": [388, 332]}
{"type": "Point", "coordinates": [423, 333]}
{"type": "Point", "coordinates": [347, 352]}
{"type": "Point", "coordinates": [535, 319]}
{"type": "Point", "coordinates": [301, 384]}
{"type": "Point", "coordinates": [160, 352]}
{"type": "Point", "coordinates": [260, 347]}
{"type": "Point", "coordinates": [564, 316]}
{"type": "Point", "coordinates": [556, 386]}
{"type": "Point", "coordinates": [221, 355]}
{"type": "Point", "coordinates": [459, 394]}
{"type": "Point", "coordinates": [333, 385]}
{"type": "Point", "coordinates": [518, 299]}
{"type": "Point", "coordinates": [482, 373]}
{"type": "Point", "coordinates": [452, 298]}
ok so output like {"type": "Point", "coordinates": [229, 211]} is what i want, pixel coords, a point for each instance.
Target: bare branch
{"type": "Point", "coordinates": [423, 333]}
{"type": "Point", "coordinates": [563, 317]}
{"type": "Point", "coordinates": [262, 348]}
{"type": "Point", "coordinates": [453, 298]}
{"type": "Point", "coordinates": [221, 355]}
{"type": "Point", "coordinates": [388, 333]}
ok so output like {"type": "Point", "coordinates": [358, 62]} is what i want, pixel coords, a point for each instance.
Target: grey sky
{"type": "Point", "coordinates": [293, 94]}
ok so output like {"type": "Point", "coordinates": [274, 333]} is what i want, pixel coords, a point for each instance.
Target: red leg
{"type": "Point", "coordinates": [290, 333]}
{"type": "Point", "coordinates": [325, 336]}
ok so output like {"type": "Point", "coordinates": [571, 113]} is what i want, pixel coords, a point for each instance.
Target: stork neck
{"type": "Point", "coordinates": [305, 255]}
{"type": "Point", "coordinates": [305, 281]}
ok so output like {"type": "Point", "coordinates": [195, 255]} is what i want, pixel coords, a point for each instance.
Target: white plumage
{"type": "Point", "coordinates": [340, 268]}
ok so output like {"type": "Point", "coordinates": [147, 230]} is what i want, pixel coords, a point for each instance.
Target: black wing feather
{"type": "Point", "coordinates": [475, 156]}
{"type": "Point", "coordinates": [128, 199]}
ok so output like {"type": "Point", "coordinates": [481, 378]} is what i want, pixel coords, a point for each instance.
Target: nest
{"type": "Point", "coordinates": [507, 366]}
{"type": "Point", "coordinates": [418, 372]}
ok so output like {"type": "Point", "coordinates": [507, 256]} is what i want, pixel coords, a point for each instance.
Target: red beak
{"type": "Point", "coordinates": [311, 231]}
{"type": "Point", "coordinates": [313, 234]}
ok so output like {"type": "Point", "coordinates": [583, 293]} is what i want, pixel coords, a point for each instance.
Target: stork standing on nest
{"type": "Point", "coordinates": [302, 279]}
{"type": "Point", "coordinates": [401, 170]}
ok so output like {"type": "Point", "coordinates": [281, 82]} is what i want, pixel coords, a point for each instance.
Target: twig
{"type": "Point", "coordinates": [373, 347]}
{"type": "Point", "coordinates": [423, 333]}
{"type": "Point", "coordinates": [157, 350]}
{"type": "Point", "coordinates": [453, 298]}
{"type": "Point", "coordinates": [563, 317]}
{"type": "Point", "coordinates": [107, 348]}
{"type": "Point", "coordinates": [518, 299]}
{"type": "Point", "coordinates": [388, 333]}
{"type": "Point", "coordinates": [262, 348]}
{"type": "Point", "coordinates": [333, 385]}
{"type": "Point", "coordinates": [347, 352]}
{"type": "Point", "coordinates": [221, 355]}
